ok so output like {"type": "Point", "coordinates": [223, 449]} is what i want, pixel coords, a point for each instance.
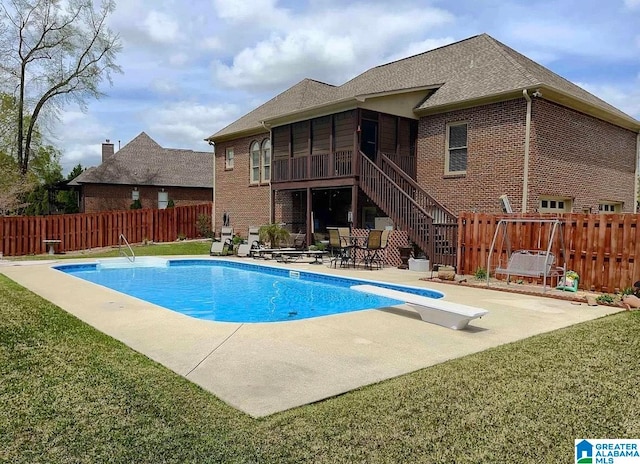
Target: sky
{"type": "Point", "coordinates": [191, 67]}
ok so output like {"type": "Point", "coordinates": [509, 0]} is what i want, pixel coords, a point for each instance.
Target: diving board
{"type": "Point", "coordinates": [455, 316]}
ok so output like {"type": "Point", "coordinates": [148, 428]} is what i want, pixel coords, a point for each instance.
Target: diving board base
{"type": "Point", "coordinates": [433, 310]}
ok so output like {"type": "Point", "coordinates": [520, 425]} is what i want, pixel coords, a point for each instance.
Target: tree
{"type": "Point", "coordinates": [67, 200]}
{"type": "Point", "coordinates": [53, 52]}
{"type": "Point", "coordinates": [13, 186]}
{"type": "Point", "coordinates": [46, 170]}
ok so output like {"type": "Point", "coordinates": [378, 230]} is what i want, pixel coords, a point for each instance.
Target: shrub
{"type": "Point", "coordinates": [273, 233]}
{"type": "Point", "coordinates": [170, 203]}
{"type": "Point", "coordinates": [605, 298]}
{"type": "Point", "coordinates": [203, 226]}
{"type": "Point", "coordinates": [136, 205]}
{"type": "Point", "coordinates": [480, 274]}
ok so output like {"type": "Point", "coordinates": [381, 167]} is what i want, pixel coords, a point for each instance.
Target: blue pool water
{"type": "Point", "coordinates": [235, 292]}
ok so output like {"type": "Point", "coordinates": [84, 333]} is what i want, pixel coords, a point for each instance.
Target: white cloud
{"type": "Point", "coordinates": [632, 3]}
{"type": "Point", "coordinates": [80, 136]}
{"type": "Point", "coordinates": [186, 124]}
{"type": "Point", "coordinates": [249, 10]}
{"type": "Point", "coordinates": [416, 48]}
{"type": "Point", "coordinates": [160, 27]}
{"type": "Point", "coordinates": [625, 98]}
{"type": "Point", "coordinates": [328, 45]}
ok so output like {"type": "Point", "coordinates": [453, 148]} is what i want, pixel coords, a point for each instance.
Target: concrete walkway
{"type": "Point", "coordinates": [266, 368]}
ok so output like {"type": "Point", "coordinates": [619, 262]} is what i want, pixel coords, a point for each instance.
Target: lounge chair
{"type": "Point", "coordinates": [253, 242]}
{"type": "Point", "coordinates": [225, 243]}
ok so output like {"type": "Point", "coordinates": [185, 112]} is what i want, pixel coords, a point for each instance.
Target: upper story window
{"type": "Point", "coordinates": [456, 153]}
{"type": "Point", "coordinates": [228, 158]}
{"type": "Point", "coordinates": [555, 205]}
{"type": "Point", "coordinates": [260, 161]}
{"type": "Point", "coordinates": [266, 160]}
{"type": "Point", "coordinates": [610, 206]}
{"type": "Point", "coordinates": [254, 163]}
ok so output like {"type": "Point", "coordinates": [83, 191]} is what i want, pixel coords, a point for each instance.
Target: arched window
{"type": "Point", "coordinates": [255, 162]}
{"type": "Point", "coordinates": [266, 160]}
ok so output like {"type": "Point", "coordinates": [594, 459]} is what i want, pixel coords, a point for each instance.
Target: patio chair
{"type": "Point", "coordinates": [225, 243]}
{"type": "Point", "coordinates": [371, 248]}
{"type": "Point", "coordinates": [380, 254]}
{"type": "Point", "coordinates": [340, 250]}
{"type": "Point", "coordinates": [252, 243]}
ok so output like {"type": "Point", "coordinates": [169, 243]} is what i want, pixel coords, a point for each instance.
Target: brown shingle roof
{"type": "Point", "coordinates": [143, 162]}
{"type": "Point", "coordinates": [304, 94]}
{"type": "Point", "coordinates": [472, 69]}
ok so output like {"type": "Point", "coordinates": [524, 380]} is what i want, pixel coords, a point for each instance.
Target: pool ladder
{"type": "Point", "coordinates": [122, 239]}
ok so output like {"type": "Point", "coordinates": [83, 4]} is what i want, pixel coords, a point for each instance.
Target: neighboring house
{"type": "Point", "coordinates": [144, 170]}
{"type": "Point", "coordinates": [416, 141]}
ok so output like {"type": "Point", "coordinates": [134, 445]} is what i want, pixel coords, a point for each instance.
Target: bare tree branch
{"type": "Point", "coordinates": [52, 55]}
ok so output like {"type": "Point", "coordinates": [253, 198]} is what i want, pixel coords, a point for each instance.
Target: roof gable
{"type": "Point", "coordinates": [473, 69]}
{"type": "Point", "coordinates": [143, 162]}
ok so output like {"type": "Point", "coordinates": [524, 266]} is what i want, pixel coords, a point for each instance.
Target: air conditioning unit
{"type": "Point", "coordinates": [506, 206]}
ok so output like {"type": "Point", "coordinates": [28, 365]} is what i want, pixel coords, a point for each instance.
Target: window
{"type": "Point", "coordinates": [163, 199]}
{"type": "Point", "coordinates": [260, 161]}
{"type": "Point", "coordinates": [456, 155]}
{"type": "Point", "coordinates": [135, 194]}
{"type": "Point", "coordinates": [266, 160]}
{"type": "Point", "coordinates": [228, 157]}
{"type": "Point", "coordinates": [255, 162]}
{"type": "Point", "coordinates": [610, 206]}
{"type": "Point", "coordinates": [555, 205]}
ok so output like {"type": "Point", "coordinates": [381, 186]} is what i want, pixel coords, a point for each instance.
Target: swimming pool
{"type": "Point", "coordinates": [229, 291]}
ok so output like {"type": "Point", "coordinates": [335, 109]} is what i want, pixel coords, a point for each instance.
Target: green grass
{"type": "Point", "coordinates": [192, 247]}
{"type": "Point", "coordinates": [70, 394]}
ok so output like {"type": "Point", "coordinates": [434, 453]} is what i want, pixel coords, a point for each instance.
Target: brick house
{"type": "Point", "coordinates": [144, 170]}
{"type": "Point", "coordinates": [416, 141]}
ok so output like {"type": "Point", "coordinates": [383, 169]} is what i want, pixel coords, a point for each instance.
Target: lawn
{"type": "Point", "coordinates": [191, 247]}
{"type": "Point", "coordinates": [70, 394]}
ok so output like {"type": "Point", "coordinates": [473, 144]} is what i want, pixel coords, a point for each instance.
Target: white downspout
{"type": "Point", "coordinates": [213, 213]}
{"type": "Point", "coordinates": [525, 173]}
{"type": "Point", "coordinates": [637, 173]}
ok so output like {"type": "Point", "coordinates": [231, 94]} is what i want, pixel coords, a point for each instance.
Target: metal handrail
{"type": "Point", "coordinates": [121, 239]}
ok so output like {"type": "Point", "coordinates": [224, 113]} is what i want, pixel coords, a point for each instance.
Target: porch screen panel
{"type": "Point", "coordinates": [300, 139]}
{"type": "Point", "coordinates": [320, 135]}
{"type": "Point", "coordinates": [388, 134]}
{"type": "Point", "coordinates": [404, 137]}
{"type": "Point", "coordinates": [280, 145]}
{"type": "Point", "coordinates": [343, 131]}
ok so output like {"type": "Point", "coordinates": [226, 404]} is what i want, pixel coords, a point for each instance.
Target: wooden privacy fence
{"type": "Point", "coordinates": [24, 235]}
{"type": "Point", "coordinates": [601, 248]}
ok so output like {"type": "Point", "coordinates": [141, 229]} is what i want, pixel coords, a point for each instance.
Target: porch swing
{"type": "Point", "coordinates": [537, 263]}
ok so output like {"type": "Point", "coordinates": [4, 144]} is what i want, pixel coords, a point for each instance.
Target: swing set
{"type": "Point", "coordinates": [537, 263]}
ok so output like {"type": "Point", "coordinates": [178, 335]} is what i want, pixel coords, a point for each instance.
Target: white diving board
{"type": "Point", "coordinates": [434, 310]}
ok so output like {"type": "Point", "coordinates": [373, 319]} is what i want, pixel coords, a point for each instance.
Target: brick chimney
{"type": "Point", "coordinates": [107, 150]}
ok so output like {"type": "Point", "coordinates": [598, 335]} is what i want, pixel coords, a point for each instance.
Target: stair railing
{"type": "Point", "coordinates": [439, 212]}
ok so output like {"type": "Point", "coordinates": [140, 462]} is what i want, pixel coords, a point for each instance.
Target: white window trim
{"type": "Point", "coordinates": [252, 165]}
{"type": "Point", "coordinates": [567, 208]}
{"type": "Point", "coordinates": [609, 207]}
{"type": "Point", "coordinates": [447, 172]}
{"type": "Point", "coordinates": [229, 161]}
{"type": "Point", "coordinates": [263, 165]}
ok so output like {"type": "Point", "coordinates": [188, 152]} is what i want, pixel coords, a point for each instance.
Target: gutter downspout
{"type": "Point", "coordinates": [213, 198]}
{"type": "Point", "coordinates": [527, 133]}
{"type": "Point", "coordinates": [636, 181]}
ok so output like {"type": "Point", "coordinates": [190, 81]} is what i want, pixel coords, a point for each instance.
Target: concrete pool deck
{"type": "Point", "coordinates": [264, 368]}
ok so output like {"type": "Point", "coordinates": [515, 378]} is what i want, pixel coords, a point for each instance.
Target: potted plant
{"type": "Point", "coordinates": [273, 233]}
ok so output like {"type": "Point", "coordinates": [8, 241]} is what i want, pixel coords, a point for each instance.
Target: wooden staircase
{"type": "Point", "coordinates": [428, 223]}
